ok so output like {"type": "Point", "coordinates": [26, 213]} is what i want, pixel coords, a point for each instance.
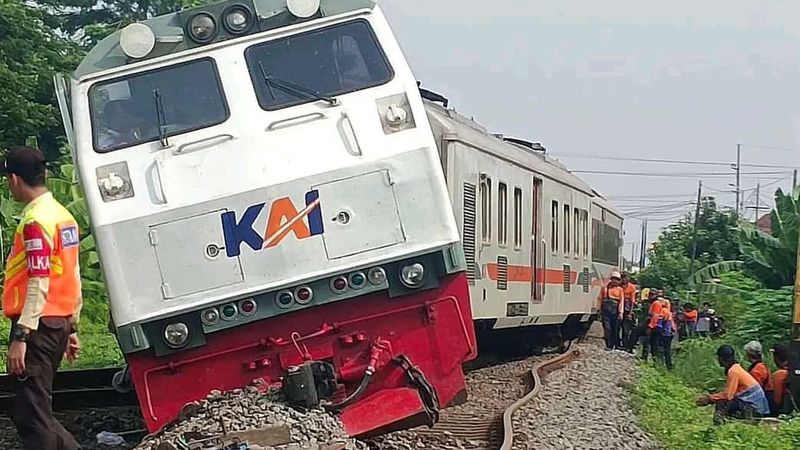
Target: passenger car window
{"type": "Point", "coordinates": [125, 111]}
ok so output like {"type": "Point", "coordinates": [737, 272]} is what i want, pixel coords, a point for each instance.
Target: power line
{"type": "Point", "coordinates": [668, 161]}
{"type": "Point", "coordinates": [671, 175]}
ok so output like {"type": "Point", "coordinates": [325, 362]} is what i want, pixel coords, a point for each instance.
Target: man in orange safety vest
{"type": "Point", "coordinates": [42, 297]}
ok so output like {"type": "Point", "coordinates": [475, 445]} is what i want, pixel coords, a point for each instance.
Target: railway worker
{"type": "Point", "coordinates": [643, 313]}
{"type": "Point", "coordinates": [612, 301]}
{"type": "Point", "coordinates": [742, 398]}
{"type": "Point", "coordinates": [778, 396]}
{"type": "Point", "coordinates": [42, 297]}
{"type": "Point", "coordinates": [755, 354]}
{"type": "Point", "coordinates": [629, 291]}
{"type": "Point", "coordinates": [690, 314]}
{"type": "Point", "coordinates": [663, 332]}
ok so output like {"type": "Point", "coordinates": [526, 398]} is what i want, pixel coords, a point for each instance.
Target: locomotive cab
{"type": "Point", "coordinates": [268, 203]}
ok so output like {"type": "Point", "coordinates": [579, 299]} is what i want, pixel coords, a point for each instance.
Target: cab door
{"type": "Point", "coordinates": [65, 106]}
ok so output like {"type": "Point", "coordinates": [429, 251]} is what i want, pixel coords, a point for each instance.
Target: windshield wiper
{"type": "Point", "coordinates": [295, 89]}
{"type": "Point", "coordinates": [162, 119]}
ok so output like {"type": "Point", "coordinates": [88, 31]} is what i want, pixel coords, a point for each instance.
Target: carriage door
{"type": "Point", "coordinates": [538, 245]}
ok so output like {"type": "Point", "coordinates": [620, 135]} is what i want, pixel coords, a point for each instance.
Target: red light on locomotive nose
{"type": "Point", "coordinates": [303, 295]}
{"type": "Point", "coordinates": [247, 307]}
{"type": "Point", "coordinates": [339, 284]}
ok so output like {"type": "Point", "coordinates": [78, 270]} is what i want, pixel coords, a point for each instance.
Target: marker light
{"type": "Point", "coordinates": [303, 8]}
{"type": "Point", "coordinates": [176, 335]}
{"type": "Point", "coordinates": [202, 28]}
{"type": "Point", "coordinates": [358, 280]}
{"type": "Point", "coordinates": [229, 312]}
{"type": "Point", "coordinates": [376, 276]}
{"type": "Point", "coordinates": [114, 181]}
{"type": "Point", "coordinates": [237, 19]}
{"type": "Point", "coordinates": [304, 294]}
{"type": "Point", "coordinates": [412, 275]}
{"type": "Point", "coordinates": [248, 307]}
{"type": "Point", "coordinates": [339, 284]}
{"type": "Point", "coordinates": [210, 316]}
{"type": "Point", "coordinates": [395, 113]}
{"type": "Point", "coordinates": [137, 40]}
{"type": "Point", "coordinates": [284, 299]}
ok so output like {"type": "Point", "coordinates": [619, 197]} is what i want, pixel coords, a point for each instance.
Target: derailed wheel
{"type": "Point", "coordinates": [121, 381]}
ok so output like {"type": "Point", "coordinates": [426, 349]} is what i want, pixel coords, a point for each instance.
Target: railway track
{"type": "Point", "coordinates": [77, 389]}
{"type": "Point", "coordinates": [485, 421]}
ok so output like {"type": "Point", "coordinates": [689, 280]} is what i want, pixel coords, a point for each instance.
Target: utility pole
{"type": "Point", "coordinates": [738, 175]}
{"type": "Point", "coordinates": [633, 254]}
{"type": "Point", "coordinates": [697, 219]}
{"type": "Point", "coordinates": [794, 180]}
{"type": "Point", "coordinates": [794, 354]}
{"type": "Point", "coordinates": [758, 201]}
{"type": "Point", "coordinates": [643, 248]}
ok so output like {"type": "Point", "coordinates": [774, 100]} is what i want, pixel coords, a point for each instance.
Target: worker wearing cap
{"type": "Point", "coordinates": [612, 302]}
{"type": "Point", "coordinates": [42, 297]}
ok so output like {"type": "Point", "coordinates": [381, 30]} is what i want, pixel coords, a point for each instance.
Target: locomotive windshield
{"type": "Point", "coordinates": [141, 108]}
{"type": "Point", "coordinates": [317, 65]}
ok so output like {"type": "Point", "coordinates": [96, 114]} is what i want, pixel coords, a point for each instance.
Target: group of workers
{"type": "Point", "coordinates": [754, 392]}
{"type": "Point", "coordinates": [656, 321]}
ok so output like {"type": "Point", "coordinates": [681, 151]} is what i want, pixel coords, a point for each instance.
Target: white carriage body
{"type": "Point", "coordinates": [494, 186]}
{"type": "Point", "coordinates": [156, 246]}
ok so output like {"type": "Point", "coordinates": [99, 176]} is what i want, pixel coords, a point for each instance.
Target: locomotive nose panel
{"type": "Point", "coordinates": [360, 214]}
{"type": "Point", "coordinates": [193, 262]}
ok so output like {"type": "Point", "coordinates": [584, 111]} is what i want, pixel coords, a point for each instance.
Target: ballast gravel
{"type": "Point", "coordinates": [248, 409]}
{"type": "Point", "coordinates": [584, 406]}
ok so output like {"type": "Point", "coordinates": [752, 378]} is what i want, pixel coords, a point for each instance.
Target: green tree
{"type": "Point", "coordinates": [89, 21]}
{"type": "Point", "coordinates": [30, 53]}
{"type": "Point", "coordinates": [670, 256]}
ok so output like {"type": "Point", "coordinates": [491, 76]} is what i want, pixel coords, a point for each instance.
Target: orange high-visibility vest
{"type": "Point", "coordinates": [61, 230]}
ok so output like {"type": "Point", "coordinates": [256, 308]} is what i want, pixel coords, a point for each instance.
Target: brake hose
{"type": "Point", "coordinates": [356, 394]}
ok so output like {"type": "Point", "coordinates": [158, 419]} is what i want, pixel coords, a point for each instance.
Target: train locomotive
{"type": "Point", "coordinates": [275, 199]}
{"type": "Point", "coordinates": [268, 204]}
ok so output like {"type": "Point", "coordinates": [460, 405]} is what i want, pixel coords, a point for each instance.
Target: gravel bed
{"type": "Point", "coordinates": [584, 405]}
{"type": "Point", "coordinates": [251, 408]}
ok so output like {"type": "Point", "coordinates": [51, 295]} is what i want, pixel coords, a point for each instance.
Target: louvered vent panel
{"type": "Point", "coordinates": [586, 280]}
{"type": "Point", "coordinates": [502, 273]}
{"type": "Point", "coordinates": [566, 277]}
{"type": "Point", "coordinates": [468, 234]}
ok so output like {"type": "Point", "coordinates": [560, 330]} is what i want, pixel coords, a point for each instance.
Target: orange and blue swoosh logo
{"type": "Point", "coordinates": [283, 218]}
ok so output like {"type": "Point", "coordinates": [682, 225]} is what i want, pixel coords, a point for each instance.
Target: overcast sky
{"type": "Point", "coordinates": [683, 80]}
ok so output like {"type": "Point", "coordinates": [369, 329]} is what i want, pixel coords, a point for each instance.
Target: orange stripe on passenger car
{"type": "Point", "coordinates": [523, 274]}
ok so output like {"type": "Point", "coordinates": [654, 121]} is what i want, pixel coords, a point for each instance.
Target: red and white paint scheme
{"type": "Point", "coordinates": [268, 205]}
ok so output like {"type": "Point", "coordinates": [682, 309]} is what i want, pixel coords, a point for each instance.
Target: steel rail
{"type": "Point", "coordinates": [538, 372]}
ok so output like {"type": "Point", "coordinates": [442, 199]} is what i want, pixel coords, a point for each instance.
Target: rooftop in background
{"type": "Point", "coordinates": [171, 35]}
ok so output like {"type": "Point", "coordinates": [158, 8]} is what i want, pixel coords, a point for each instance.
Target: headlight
{"type": "Point", "coordinates": [395, 113]}
{"type": "Point", "coordinates": [176, 334]}
{"type": "Point", "coordinates": [412, 275]}
{"type": "Point", "coordinates": [237, 19]}
{"type": "Point", "coordinates": [137, 40]}
{"type": "Point", "coordinates": [202, 28]}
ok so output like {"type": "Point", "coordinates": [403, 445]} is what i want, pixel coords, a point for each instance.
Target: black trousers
{"type": "Point", "coordinates": [627, 332]}
{"type": "Point", "coordinates": [639, 333]}
{"type": "Point", "coordinates": [611, 329]}
{"type": "Point", "coordinates": [32, 407]}
{"type": "Point", "coordinates": [665, 349]}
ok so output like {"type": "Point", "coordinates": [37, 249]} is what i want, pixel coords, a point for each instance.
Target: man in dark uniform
{"type": "Point", "coordinates": [42, 297]}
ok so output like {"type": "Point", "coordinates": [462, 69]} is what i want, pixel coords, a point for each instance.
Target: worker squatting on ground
{"type": "Point", "coordinates": [742, 398]}
{"type": "Point", "coordinates": [611, 305]}
{"type": "Point", "coordinates": [42, 297]}
{"type": "Point", "coordinates": [755, 354]}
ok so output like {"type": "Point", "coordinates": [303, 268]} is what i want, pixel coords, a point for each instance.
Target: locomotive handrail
{"type": "Point", "coordinates": [544, 267]}
{"type": "Point", "coordinates": [162, 197]}
{"type": "Point", "coordinates": [296, 120]}
{"type": "Point", "coordinates": [220, 137]}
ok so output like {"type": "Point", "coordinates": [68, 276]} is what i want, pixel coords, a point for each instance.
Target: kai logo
{"type": "Point", "coordinates": [283, 219]}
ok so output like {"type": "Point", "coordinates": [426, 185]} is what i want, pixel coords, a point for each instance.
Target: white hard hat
{"type": "Point", "coordinates": [615, 274]}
